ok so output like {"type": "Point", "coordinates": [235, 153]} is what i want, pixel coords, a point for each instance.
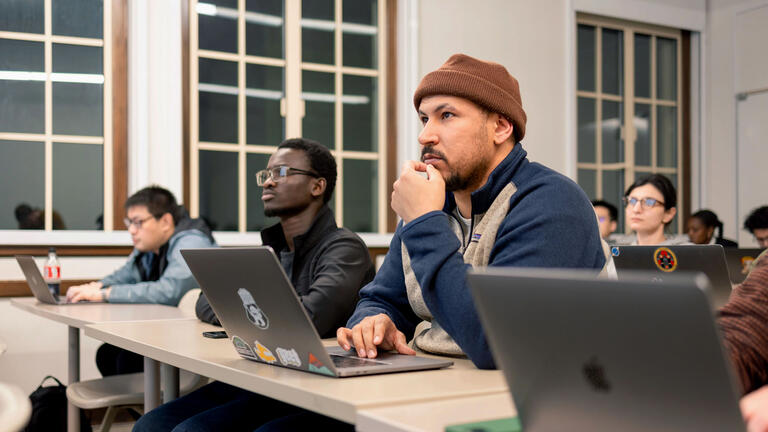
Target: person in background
{"type": "Point", "coordinates": [155, 271]}
{"type": "Point", "coordinates": [757, 224]}
{"type": "Point", "coordinates": [701, 228]}
{"type": "Point", "coordinates": [607, 217]}
{"type": "Point", "coordinates": [650, 205]}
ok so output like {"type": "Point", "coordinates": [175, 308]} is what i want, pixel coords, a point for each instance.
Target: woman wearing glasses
{"type": "Point", "coordinates": [650, 205]}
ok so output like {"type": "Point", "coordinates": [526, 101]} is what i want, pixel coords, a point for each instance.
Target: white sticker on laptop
{"type": "Point", "coordinates": [252, 310]}
{"type": "Point", "coordinates": [243, 348]}
{"type": "Point", "coordinates": [288, 357]}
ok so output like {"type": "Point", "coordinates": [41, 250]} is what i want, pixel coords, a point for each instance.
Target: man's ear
{"type": "Point", "coordinates": [502, 129]}
{"type": "Point", "coordinates": [167, 220]}
{"type": "Point", "coordinates": [318, 187]}
{"type": "Point", "coordinates": [614, 225]}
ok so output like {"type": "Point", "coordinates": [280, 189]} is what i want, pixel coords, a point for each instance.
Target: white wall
{"type": "Point", "coordinates": [722, 83]}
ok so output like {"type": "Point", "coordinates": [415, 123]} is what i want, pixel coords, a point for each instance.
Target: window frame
{"type": "Point", "coordinates": [292, 106]}
{"type": "Point", "coordinates": [628, 99]}
{"type": "Point", "coordinates": [115, 127]}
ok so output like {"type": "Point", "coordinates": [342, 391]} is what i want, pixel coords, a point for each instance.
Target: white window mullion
{"type": "Point", "coordinates": [48, 117]}
{"type": "Point", "coordinates": [295, 111]}
{"type": "Point", "coordinates": [194, 120]}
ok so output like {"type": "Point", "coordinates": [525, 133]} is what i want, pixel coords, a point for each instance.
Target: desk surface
{"type": "Point", "coordinates": [80, 315]}
{"type": "Point", "coordinates": [179, 343]}
{"type": "Point", "coordinates": [435, 415]}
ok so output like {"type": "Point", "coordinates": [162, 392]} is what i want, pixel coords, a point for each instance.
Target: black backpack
{"type": "Point", "coordinates": [49, 409]}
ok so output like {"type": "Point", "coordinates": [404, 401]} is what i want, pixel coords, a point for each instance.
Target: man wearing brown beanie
{"type": "Point", "coordinates": [482, 203]}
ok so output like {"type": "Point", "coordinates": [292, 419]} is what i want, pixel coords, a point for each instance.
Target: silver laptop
{"type": "Point", "coordinates": [37, 283]}
{"type": "Point", "coordinates": [738, 260]}
{"type": "Point", "coordinates": [585, 355]}
{"type": "Point", "coordinates": [266, 322]}
{"type": "Point", "coordinates": [659, 262]}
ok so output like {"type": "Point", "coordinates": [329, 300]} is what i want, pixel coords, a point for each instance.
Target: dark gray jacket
{"type": "Point", "coordinates": [330, 264]}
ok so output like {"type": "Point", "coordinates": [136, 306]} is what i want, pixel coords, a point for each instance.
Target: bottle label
{"type": "Point", "coordinates": [52, 272]}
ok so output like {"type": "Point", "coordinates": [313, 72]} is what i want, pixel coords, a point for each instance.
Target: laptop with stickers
{"type": "Point", "coordinates": [266, 322]}
{"type": "Point", "coordinates": [739, 260]}
{"type": "Point", "coordinates": [584, 354]}
{"type": "Point", "coordinates": [658, 262]}
{"type": "Point", "coordinates": [37, 283]}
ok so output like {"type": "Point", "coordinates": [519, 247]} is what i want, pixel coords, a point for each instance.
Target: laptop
{"type": "Point", "coordinates": [37, 283]}
{"type": "Point", "coordinates": [584, 354]}
{"type": "Point", "coordinates": [659, 262]}
{"type": "Point", "coordinates": [266, 322]}
{"type": "Point", "coordinates": [738, 260]}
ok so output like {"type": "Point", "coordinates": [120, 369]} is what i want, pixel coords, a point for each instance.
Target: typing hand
{"type": "Point", "coordinates": [413, 195]}
{"type": "Point", "coordinates": [754, 409]}
{"type": "Point", "coordinates": [86, 292]}
{"type": "Point", "coordinates": [371, 333]}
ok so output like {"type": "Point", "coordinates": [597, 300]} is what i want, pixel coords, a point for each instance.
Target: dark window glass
{"type": "Point", "coordinates": [666, 68]}
{"type": "Point", "coordinates": [613, 144]}
{"type": "Point", "coordinates": [265, 125]}
{"type": "Point", "coordinates": [217, 33]}
{"type": "Point", "coordinates": [587, 59]}
{"type": "Point", "coordinates": [78, 109]}
{"type": "Point", "coordinates": [587, 143]}
{"type": "Point", "coordinates": [256, 162]}
{"type": "Point", "coordinates": [613, 192]}
{"type": "Point", "coordinates": [22, 107]}
{"type": "Point", "coordinates": [218, 189]}
{"type": "Point", "coordinates": [642, 65]}
{"type": "Point", "coordinates": [264, 21]}
{"type": "Point", "coordinates": [360, 113]}
{"type": "Point", "coordinates": [23, 16]}
{"type": "Point", "coordinates": [644, 134]}
{"type": "Point", "coordinates": [588, 181]}
{"type": "Point", "coordinates": [18, 55]}
{"type": "Point", "coordinates": [360, 195]}
{"type": "Point", "coordinates": [77, 59]}
{"type": "Point", "coordinates": [81, 18]}
{"type": "Point", "coordinates": [78, 185]}
{"type": "Point", "coordinates": [613, 61]}
{"type": "Point", "coordinates": [22, 184]}
{"type": "Point", "coordinates": [318, 94]}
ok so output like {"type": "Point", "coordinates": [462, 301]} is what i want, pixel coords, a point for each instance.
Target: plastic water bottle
{"type": "Point", "coordinates": [52, 272]}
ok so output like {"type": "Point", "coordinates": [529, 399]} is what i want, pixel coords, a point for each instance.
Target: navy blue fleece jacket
{"type": "Point", "coordinates": [550, 224]}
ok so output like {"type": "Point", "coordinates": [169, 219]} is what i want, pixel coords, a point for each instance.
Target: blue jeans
{"type": "Point", "coordinates": [218, 406]}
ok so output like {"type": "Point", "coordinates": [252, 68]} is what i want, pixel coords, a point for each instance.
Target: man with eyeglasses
{"type": "Point", "coordinates": [757, 224]}
{"type": "Point", "coordinates": [327, 266]}
{"type": "Point", "coordinates": [155, 271]}
{"type": "Point", "coordinates": [607, 217]}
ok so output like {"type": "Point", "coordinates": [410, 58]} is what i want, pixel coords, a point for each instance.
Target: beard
{"type": "Point", "coordinates": [475, 173]}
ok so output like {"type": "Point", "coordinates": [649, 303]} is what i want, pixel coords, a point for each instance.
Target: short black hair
{"type": "Point", "coordinates": [758, 219]}
{"type": "Point", "coordinates": [710, 220]}
{"type": "Point", "coordinates": [660, 182]}
{"type": "Point", "coordinates": [320, 160]}
{"type": "Point", "coordinates": [613, 212]}
{"type": "Point", "coordinates": [158, 201]}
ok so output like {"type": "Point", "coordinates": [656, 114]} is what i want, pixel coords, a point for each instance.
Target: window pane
{"type": "Point", "coordinates": [218, 32]}
{"type": "Point", "coordinates": [360, 195]}
{"type": "Point", "coordinates": [81, 18]}
{"type": "Point", "coordinates": [218, 101]}
{"type": "Point", "coordinates": [78, 109]}
{"type": "Point", "coordinates": [643, 128]}
{"type": "Point", "coordinates": [25, 16]}
{"type": "Point", "coordinates": [319, 95]}
{"type": "Point", "coordinates": [587, 179]}
{"type": "Point", "coordinates": [666, 68]}
{"type": "Point", "coordinates": [359, 33]}
{"type": "Point", "coordinates": [21, 106]}
{"type": "Point", "coordinates": [17, 55]}
{"type": "Point", "coordinates": [264, 28]}
{"type": "Point", "coordinates": [642, 65]}
{"type": "Point", "coordinates": [22, 96]}
{"type": "Point", "coordinates": [613, 61]}
{"type": "Point", "coordinates": [78, 185]}
{"type": "Point", "coordinates": [586, 119]}
{"type": "Point", "coordinates": [22, 184]}
{"type": "Point", "coordinates": [265, 125]}
{"type": "Point", "coordinates": [613, 144]}
{"type": "Point", "coordinates": [641, 174]}
{"type": "Point", "coordinates": [666, 139]}
{"type": "Point", "coordinates": [317, 36]}
{"type": "Point", "coordinates": [613, 191]}
{"type": "Point", "coordinates": [586, 41]}
{"type": "Point", "coordinates": [360, 113]}
{"type": "Point", "coordinates": [218, 189]}
{"type": "Point", "coordinates": [256, 162]}
{"type": "Point", "coordinates": [77, 59]}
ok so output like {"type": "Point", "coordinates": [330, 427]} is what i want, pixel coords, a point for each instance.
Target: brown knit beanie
{"type": "Point", "coordinates": [487, 84]}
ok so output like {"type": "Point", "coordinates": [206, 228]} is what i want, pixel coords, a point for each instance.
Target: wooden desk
{"type": "Point", "coordinates": [77, 316]}
{"type": "Point", "coordinates": [435, 415]}
{"type": "Point", "coordinates": [179, 343]}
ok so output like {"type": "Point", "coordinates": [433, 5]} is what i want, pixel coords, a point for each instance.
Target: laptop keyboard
{"type": "Point", "coordinates": [345, 361]}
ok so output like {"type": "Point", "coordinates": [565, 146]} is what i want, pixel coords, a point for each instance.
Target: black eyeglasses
{"type": "Point", "coordinates": [645, 203]}
{"type": "Point", "coordinates": [279, 172]}
{"type": "Point", "coordinates": [135, 222]}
